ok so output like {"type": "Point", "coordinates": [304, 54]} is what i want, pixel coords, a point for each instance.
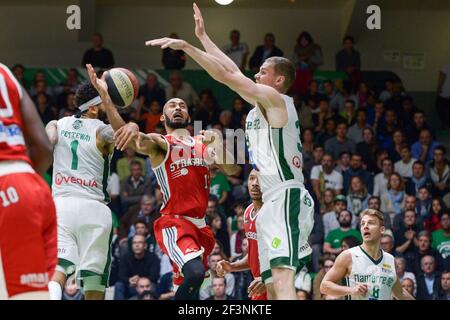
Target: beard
{"type": "Point", "coordinates": [175, 125]}
{"type": "Point", "coordinates": [345, 224]}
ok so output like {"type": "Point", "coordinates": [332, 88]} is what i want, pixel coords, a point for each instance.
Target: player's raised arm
{"type": "Point", "coordinates": [38, 144]}
{"type": "Point", "coordinates": [399, 293]}
{"type": "Point", "coordinates": [253, 92]}
{"type": "Point", "coordinates": [209, 46]}
{"type": "Point", "coordinates": [330, 286]}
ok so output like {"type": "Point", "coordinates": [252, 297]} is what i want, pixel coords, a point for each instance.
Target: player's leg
{"type": "Point", "coordinates": [95, 240]}
{"type": "Point", "coordinates": [283, 283]}
{"type": "Point", "coordinates": [26, 259]}
{"type": "Point", "coordinates": [270, 291]}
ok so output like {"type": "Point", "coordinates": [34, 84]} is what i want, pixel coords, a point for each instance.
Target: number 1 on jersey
{"type": "Point", "coordinates": [73, 148]}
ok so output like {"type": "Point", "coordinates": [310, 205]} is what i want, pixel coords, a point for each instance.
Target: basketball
{"type": "Point", "coordinates": [122, 86]}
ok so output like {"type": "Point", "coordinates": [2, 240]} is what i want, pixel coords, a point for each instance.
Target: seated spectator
{"type": "Point", "coordinates": [419, 179]}
{"type": "Point", "coordinates": [261, 53]}
{"type": "Point", "coordinates": [350, 242]}
{"type": "Point", "coordinates": [135, 186]}
{"type": "Point", "coordinates": [395, 101]}
{"type": "Point", "coordinates": [356, 170]}
{"type": "Point", "coordinates": [432, 221]}
{"type": "Point", "coordinates": [325, 177]}
{"type": "Point", "coordinates": [219, 185]}
{"type": "Point", "coordinates": [386, 131]}
{"type": "Point", "coordinates": [326, 263]}
{"type": "Point", "coordinates": [405, 166]}
{"type": "Point", "coordinates": [381, 179]}
{"type": "Point", "coordinates": [147, 211]}
{"type": "Point", "coordinates": [237, 238]}
{"type": "Point", "coordinates": [333, 241]}
{"type": "Point", "coordinates": [325, 112]}
{"type": "Point", "coordinates": [70, 108]}
{"type": "Point", "coordinates": [340, 142]}
{"type": "Point", "coordinates": [173, 59]}
{"type": "Point", "coordinates": [428, 281]}
{"type": "Point", "coordinates": [98, 56]}
{"type": "Point", "coordinates": [151, 91]}
{"type": "Point", "coordinates": [438, 170]}
{"type": "Point", "coordinates": [219, 286]}
{"type": "Point", "coordinates": [355, 132]}
{"type": "Point", "coordinates": [18, 71]}
{"type": "Point", "coordinates": [330, 219]}
{"type": "Point", "coordinates": [316, 160]}
{"type": "Point", "coordinates": [206, 290]}
{"type": "Point", "coordinates": [386, 94]}
{"type": "Point", "coordinates": [207, 111]}
{"type": "Point", "coordinates": [242, 279]}
{"type": "Point", "coordinates": [375, 204]}
{"type": "Point", "coordinates": [151, 117]}
{"type": "Point", "coordinates": [217, 223]}
{"type": "Point", "coordinates": [348, 114]}
{"type": "Point", "coordinates": [422, 249]}
{"type": "Point", "coordinates": [40, 86]}
{"type": "Point", "coordinates": [444, 293]}
{"type": "Point", "coordinates": [406, 113]}
{"type": "Point", "coordinates": [346, 91]}
{"type": "Point", "coordinates": [143, 284]}
{"type": "Point", "coordinates": [423, 204]}
{"type": "Point", "coordinates": [178, 88]}
{"type": "Point", "coordinates": [302, 294]}
{"type": "Point", "coordinates": [363, 94]}
{"type": "Point", "coordinates": [72, 292]}
{"type": "Point", "coordinates": [441, 240]}
{"type": "Point", "coordinates": [423, 149]}
{"type": "Point", "coordinates": [368, 149]}
{"type": "Point", "coordinates": [327, 132]}
{"type": "Point", "coordinates": [408, 286]}
{"type": "Point", "coordinates": [395, 145]}
{"type": "Point", "coordinates": [334, 96]}
{"type": "Point", "coordinates": [303, 280]}
{"type": "Point", "coordinates": [419, 123]}
{"type": "Point", "coordinates": [343, 162]}
{"type": "Point", "coordinates": [124, 163]}
{"type": "Point", "coordinates": [69, 86]}
{"type": "Point", "coordinates": [313, 93]}
{"type": "Point", "coordinates": [376, 115]}
{"type": "Point", "coordinates": [393, 200]}
{"type": "Point", "coordinates": [357, 197]}
{"type": "Point", "coordinates": [349, 60]}
{"type": "Point", "coordinates": [44, 108]}
{"type": "Point", "coordinates": [237, 51]}
{"type": "Point", "coordinates": [240, 108]}
{"type": "Point", "coordinates": [307, 54]}
{"type": "Point", "coordinates": [328, 201]}
{"type": "Point", "coordinates": [410, 204]}
{"type": "Point", "coordinates": [138, 263]}
{"type": "Point", "coordinates": [387, 243]}
{"type": "Point", "coordinates": [307, 143]}
{"type": "Point", "coordinates": [402, 274]}
{"type": "Point", "coordinates": [406, 235]}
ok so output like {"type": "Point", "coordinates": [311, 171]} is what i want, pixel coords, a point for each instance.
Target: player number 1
{"type": "Point", "coordinates": [8, 197]}
{"type": "Point", "coordinates": [73, 148]}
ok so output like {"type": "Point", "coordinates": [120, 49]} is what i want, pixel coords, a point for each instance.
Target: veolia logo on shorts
{"type": "Point", "coordinates": [61, 179]}
{"type": "Point", "coordinates": [276, 242]}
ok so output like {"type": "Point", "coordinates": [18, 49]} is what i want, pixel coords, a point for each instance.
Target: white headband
{"type": "Point", "coordinates": [93, 102]}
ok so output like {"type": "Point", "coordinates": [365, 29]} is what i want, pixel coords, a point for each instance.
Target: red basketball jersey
{"type": "Point", "coordinates": [184, 178]}
{"type": "Point", "coordinates": [250, 234]}
{"type": "Point", "coordinates": [12, 142]}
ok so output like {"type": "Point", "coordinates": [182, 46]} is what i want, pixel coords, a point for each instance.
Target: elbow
{"type": "Point", "coordinates": [323, 287]}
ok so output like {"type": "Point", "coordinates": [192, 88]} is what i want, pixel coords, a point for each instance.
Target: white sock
{"type": "Point", "coordinates": [54, 290]}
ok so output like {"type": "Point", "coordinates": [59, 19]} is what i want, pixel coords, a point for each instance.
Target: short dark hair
{"type": "Point", "coordinates": [85, 92]}
{"type": "Point", "coordinates": [134, 163]}
{"type": "Point", "coordinates": [347, 37]}
{"type": "Point", "coordinates": [442, 148]}
{"type": "Point", "coordinates": [235, 31]}
{"type": "Point", "coordinates": [359, 110]}
{"type": "Point", "coordinates": [351, 241]}
{"type": "Point", "coordinates": [283, 67]}
{"type": "Point", "coordinates": [18, 65]}
{"type": "Point", "coordinates": [419, 162]}
{"type": "Point", "coordinates": [350, 101]}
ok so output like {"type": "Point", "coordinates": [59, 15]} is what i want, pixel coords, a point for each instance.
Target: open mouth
{"type": "Point", "coordinates": [365, 234]}
{"type": "Point", "coordinates": [178, 115]}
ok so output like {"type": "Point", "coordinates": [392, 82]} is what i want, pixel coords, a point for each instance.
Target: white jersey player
{"type": "Point", "coordinates": [83, 146]}
{"type": "Point", "coordinates": [367, 272]}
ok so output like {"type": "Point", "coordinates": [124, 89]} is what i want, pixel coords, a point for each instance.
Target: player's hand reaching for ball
{"type": "Point", "coordinates": [256, 288]}
{"type": "Point", "coordinates": [360, 290]}
{"type": "Point", "coordinates": [199, 23]}
{"type": "Point", "coordinates": [211, 137]}
{"type": "Point", "coordinates": [175, 44]}
{"type": "Point", "coordinates": [98, 83]}
{"type": "Point", "coordinates": [126, 134]}
{"type": "Point", "coordinates": [223, 267]}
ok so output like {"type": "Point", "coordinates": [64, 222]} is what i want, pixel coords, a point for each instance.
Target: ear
{"type": "Point", "coordinates": [382, 229]}
{"type": "Point", "coordinates": [162, 118]}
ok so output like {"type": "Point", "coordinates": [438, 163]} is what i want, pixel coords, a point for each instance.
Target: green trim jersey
{"type": "Point", "coordinates": [380, 276]}
{"type": "Point", "coordinates": [79, 168]}
{"type": "Point", "coordinates": [276, 153]}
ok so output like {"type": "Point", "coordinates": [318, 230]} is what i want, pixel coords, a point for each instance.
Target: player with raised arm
{"type": "Point", "coordinates": [286, 218]}
{"type": "Point", "coordinates": [257, 289]}
{"type": "Point", "coordinates": [368, 272]}
{"type": "Point", "coordinates": [83, 146]}
{"type": "Point", "coordinates": [180, 163]}
{"type": "Point", "coordinates": [27, 212]}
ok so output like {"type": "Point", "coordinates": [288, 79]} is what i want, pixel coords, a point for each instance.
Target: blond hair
{"type": "Point", "coordinates": [373, 213]}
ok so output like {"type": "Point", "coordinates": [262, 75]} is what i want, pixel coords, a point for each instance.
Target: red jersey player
{"type": "Point", "coordinates": [27, 213]}
{"type": "Point", "coordinates": [257, 290]}
{"type": "Point", "coordinates": [180, 163]}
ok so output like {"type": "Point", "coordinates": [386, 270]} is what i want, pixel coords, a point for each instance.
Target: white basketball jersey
{"type": "Point", "coordinates": [276, 153]}
{"type": "Point", "coordinates": [79, 168]}
{"type": "Point", "coordinates": [380, 276]}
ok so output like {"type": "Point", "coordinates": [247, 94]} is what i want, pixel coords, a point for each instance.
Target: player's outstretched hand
{"type": "Point", "coordinates": [175, 44]}
{"type": "Point", "coordinates": [199, 23]}
{"type": "Point", "coordinates": [126, 134]}
{"type": "Point", "coordinates": [360, 290]}
{"type": "Point", "coordinates": [223, 267]}
{"type": "Point", "coordinates": [98, 83]}
{"type": "Point", "coordinates": [256, 288]}
{"type": "Point", "coordinates": [211, 137]}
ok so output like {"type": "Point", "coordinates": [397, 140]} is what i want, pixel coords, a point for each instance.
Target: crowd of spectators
{"type": "Point", "coordinates": [361, 149]}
